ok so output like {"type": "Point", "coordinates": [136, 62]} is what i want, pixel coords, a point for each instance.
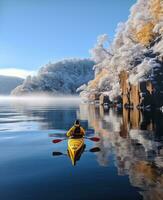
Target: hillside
{"type": "Point", "coordinates": [131, 68]}
{"type": "Point", "coordinates": [62, 77]}
{"type": "Point", "coordinates": [8, 83]}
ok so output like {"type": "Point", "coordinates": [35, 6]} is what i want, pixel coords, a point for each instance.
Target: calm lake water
{"type": "Point", "coordinates": [128, 166]}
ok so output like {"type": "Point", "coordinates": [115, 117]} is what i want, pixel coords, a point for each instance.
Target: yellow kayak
{"type": "Point", "coordinates": [75, 148]}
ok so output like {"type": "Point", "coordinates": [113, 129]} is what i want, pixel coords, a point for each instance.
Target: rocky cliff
{"type": "Point", "coordinates": [132, 66]}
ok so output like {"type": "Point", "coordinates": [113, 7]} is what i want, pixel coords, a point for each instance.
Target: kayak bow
{"type": "Point", "coordinates": [75, 148]}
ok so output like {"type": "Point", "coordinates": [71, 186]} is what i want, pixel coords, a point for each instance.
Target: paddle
{"type": "Point", "coordinates": [93, 150]}
{"type": "Point", "coordinates": [63, 135]}
{"type": "Point", "coordinates": [57, 153]}
{"type": "Point", "coordinates": [94, 139]}
{"type": "Point", "coordinates": [58, 140]}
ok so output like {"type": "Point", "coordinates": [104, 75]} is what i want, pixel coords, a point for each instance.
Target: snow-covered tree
{"type": "Point", "coordinates": [62, 77]}
{"type": "Point", "coordinates": [137, 48]}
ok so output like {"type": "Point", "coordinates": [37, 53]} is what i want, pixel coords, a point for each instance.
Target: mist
{"type": "Point", "coordinates": [41, 100]}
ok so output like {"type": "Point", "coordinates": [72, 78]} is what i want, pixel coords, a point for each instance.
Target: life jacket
{"type": "Point", "coordinates": [77, 131]}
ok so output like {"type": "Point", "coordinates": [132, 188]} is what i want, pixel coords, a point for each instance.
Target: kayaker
{"type": "Point", "coordinates": [76, 130]}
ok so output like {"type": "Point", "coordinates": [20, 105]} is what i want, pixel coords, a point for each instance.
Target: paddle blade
{"type": "Point", "coordinates": [95, 139]}
{"type": "Point", "coordinates": [95, 149]}
{"type": "Point", "coordinates": [56, 140]}
{"type": "Point", "coordinates": [57, 153]}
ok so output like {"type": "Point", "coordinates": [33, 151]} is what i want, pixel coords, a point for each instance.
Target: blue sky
{"type": "Point", "coordinates": [34, 32]}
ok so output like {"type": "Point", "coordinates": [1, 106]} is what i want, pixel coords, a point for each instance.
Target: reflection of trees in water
{"type": "Point", "coordinates": [134, 138]}
{"type": "Point", "coordinates": [100, 121]}
{"type": "Point", "coordinates": [153, 121]}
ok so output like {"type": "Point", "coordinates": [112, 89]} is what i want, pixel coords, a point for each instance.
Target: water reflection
{"type": "Point", "coordinates": [34, 113]}
{"type": "Point", "coordinates": [136, 140]}
{"type": "Point", "coordinates": [76, 158]}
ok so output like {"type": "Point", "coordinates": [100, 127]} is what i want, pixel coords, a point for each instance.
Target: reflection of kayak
{"type": "Point", "coordinates": [75, 148]}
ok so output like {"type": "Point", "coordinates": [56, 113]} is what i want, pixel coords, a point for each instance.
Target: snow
{"type": "Point", "coordinates": [62, 77]}
{"type": "Point", "coordinates": [136, 48]}
{"type": "Point", "coordinates": [129, 50]}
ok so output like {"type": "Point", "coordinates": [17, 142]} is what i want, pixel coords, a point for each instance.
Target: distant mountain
{"type": "Point", "coordinates": [8, 83]}
{"type": "Point", "coordinates": [62, 77]}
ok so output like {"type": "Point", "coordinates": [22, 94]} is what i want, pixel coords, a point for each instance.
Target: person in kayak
{"type": "Point", "coordinates": [76, 130]}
